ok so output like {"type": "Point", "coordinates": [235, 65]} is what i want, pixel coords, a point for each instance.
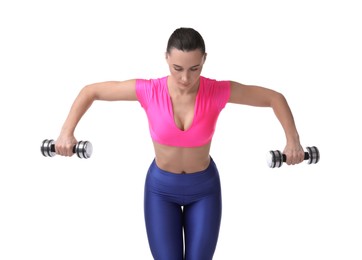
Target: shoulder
{"type": "Point", "coordinates": [210, 82]}
{"type": "Point", "coordinates": [215, 86]}
{"type": "Point", "coordinates": [146, 89]}
{"type": "Point", "coordinates": [151, 83]}
{"type": "Point", "coordinates": [217, 91]}
{"type": "Point", "coordinates": [154, 81]}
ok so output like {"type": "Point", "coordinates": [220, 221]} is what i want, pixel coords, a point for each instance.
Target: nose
{"type": "Point", "coordinates": [185, 78]}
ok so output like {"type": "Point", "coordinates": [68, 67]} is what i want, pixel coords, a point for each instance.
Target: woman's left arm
{"type": "Point", "coordinates": [264, 97]}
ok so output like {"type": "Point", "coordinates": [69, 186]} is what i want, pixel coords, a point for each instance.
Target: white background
{"type": "Point", "coordinates": [68, 208]}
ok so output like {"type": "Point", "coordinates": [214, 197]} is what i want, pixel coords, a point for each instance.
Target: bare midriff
{"type": "Point", "coordinates": [182, 160]}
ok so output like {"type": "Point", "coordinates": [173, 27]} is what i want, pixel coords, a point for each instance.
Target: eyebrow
{"type": "Point", "coordinates": [178, 66]}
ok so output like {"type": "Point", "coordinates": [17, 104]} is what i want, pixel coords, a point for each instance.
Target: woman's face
{"type": "Point", "coordinates": [185, 67]}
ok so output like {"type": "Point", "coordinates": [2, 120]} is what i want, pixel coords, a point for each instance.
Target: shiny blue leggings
{"type": "Point", "coordinates": [182, 208]}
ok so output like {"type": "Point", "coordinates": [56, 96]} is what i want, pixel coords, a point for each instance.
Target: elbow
{"type": "Point", "coordinates": [89, 92]}
{"type": "Point", "coordinates": [276, 99]}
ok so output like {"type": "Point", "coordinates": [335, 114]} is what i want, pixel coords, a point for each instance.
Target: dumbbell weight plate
{"type": "Point", "coordinates": [313, 154]}
{"type": "Point", "coordinates": [274, 159]}
{"type": "Point", "coordinates": [84, 149]}
{"type": "Point", "coordinates": [46, 148]}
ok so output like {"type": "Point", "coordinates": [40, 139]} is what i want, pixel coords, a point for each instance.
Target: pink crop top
{"type": "Point", "coordinates": [154, 97]}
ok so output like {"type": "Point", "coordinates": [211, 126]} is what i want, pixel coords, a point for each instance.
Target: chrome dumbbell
{"type": "Point", "coordinates": [83, 149]}
{"type": "Point", "coordinates": [275, 158]}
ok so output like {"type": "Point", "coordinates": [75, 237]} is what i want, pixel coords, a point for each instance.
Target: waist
{"type": "Point", "coordinates": [210, 170]}
{"type": "Point", "coordinates": [190, 186]}
{"type": "Point", "coordinates": [182, 160]}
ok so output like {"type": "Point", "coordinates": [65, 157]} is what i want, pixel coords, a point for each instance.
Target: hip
{"type": "Point", "coordinates": [205, 181]}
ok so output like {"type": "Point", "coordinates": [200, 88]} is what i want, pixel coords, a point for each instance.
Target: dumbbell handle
{"type": "Point", "coordinates": [306, 156]}
{"type": "Point", "coordinates": [52, 148]}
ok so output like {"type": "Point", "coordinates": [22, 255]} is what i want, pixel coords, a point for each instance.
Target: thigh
{"type": "Point", "coordinates": [202, 225]}
{"type": "Point", "coordinates": [164, 227]}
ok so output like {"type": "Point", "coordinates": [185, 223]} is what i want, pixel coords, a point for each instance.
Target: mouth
{"type": "Point", "coordinates": [184, 84]}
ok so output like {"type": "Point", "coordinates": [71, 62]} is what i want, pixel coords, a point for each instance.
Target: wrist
{"type": "Point", "coordinates": [67, 131]}
{"type": "Point", "coordinates": [293, 139]}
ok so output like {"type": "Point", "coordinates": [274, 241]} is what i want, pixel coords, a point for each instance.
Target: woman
{"type": "Point", "coordinates": [182, 201]}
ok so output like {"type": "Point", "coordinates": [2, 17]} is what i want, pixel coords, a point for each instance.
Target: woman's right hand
{"type": "Point", "coordinates": [64, 145]}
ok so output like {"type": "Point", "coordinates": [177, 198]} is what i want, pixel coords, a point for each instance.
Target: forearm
{"type": "Point", "coordinates": [284, 114]}
{"type": "Point", "coordinates": [80, 105]}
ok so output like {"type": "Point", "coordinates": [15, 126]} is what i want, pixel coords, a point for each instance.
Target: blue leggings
{"type": "Point", "coordinates": [182, 204]}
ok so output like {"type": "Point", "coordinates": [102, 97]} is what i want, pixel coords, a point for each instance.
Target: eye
{"type": "Point", "coordinates": [177, 69]}
{"type": "Point", "coordinates": [194, 69]}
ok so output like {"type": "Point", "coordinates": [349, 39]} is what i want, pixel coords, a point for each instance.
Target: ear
{"type": "Point", "coordinates": [166, 55]}
{"type": "Point", "coordinates": [205, 55]}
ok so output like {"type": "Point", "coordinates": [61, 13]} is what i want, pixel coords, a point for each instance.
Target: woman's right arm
{"type": "Point", "coordinates": [108, 91]}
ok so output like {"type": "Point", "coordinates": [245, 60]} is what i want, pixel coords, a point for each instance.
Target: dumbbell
{"type": "Point", "coordinates": [83, 149]}
{"type": "Point", "coordinates": [276, 158]}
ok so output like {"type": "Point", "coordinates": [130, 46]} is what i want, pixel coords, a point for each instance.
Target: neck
{"type": "Point", "coordinates": [177, 89]}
